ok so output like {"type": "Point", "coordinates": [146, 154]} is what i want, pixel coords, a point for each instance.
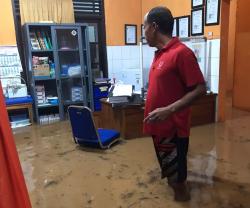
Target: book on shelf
{"type": "Point", "coordinates": [45, 40]}
{"type": "Point", "coordinates": [34, 41]}
{"type": "Point", "coordinates": [41, 41]}
{"type": "Point", "coordinates": [48, 40]}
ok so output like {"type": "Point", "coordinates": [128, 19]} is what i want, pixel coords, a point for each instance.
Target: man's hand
{"type": "Point", "coordinates": [159, 114]}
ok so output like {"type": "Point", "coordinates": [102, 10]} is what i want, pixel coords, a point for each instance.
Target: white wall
{"type": "Point", "coordinates": [213, 64]}
{"type": "Point", "coordinates": [124, 63]}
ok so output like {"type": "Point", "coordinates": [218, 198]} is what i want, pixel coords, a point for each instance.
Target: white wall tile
{"type": "Point", "coordinates": [132, 77]}
{"type": "Point", "coordinates": [117, 65]}
{"type": "Point", "coordinates": [118, 77]}
{"type": "Point", "coordinates": [130, 52]}
{"type": "Point", "coordinates": [110, 67]}
{"type": "Point", "coordinates": [125, 52]}
{"type": "Point", "coordinates": [117, 52]}
{"type": "Point", "coordinates": [137, 52]}
{"type": "Point", "coordinates": [148, 52]}
{"type": "Point", "coordinates": [146, 75]}
{"type": "Point", "coordinates": [147, 62]}
{"type": "Point", "coordinates": [131, 64]}
{"type": "Point", "coordinates": [109, 52]}
{"type": "Point", "coordinates": [134, 64]}
{"type": "Point", "coordinates": [215, 67]}
{"type": "Point", "coordinates": [125, 64]}
{"type": "Point", "coordinates": [209, 49]}
{"type": "Point", "coordinates": [151, 52]}
{"type": "Point", "coordinates": [214, 84]}
{"type": "Point", "coordinates": [213, 48]}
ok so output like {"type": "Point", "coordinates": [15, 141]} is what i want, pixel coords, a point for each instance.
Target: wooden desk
{"type": "Point", "coordinates": [22, 106]}
{"type": "Point", "coordinates": [128, 120]}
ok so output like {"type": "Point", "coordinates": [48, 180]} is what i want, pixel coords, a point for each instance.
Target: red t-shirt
{"type": "Point", "coordinates": [173, 72]}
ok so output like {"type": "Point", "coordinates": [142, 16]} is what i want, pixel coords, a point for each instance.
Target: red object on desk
{"type": "Point", "coordinates": [13, 191]}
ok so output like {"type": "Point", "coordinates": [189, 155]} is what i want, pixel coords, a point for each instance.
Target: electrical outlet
{"type": "Point", "coordinates": [210, 33]}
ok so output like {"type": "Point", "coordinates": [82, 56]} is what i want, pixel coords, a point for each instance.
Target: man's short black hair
{"type": "Point", "coordinates": [163, 17]}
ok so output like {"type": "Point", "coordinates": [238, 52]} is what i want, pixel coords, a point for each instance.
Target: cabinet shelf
{"type": "Point", "coordinates": [44, 78]}
{"type": "Point", "coordinates": [47, 105]}
{"type": "Point", "coordinates": [68, 50]}
{"type": "Point", "coordinates": [71, 77]}
{"type": "Point", "coordinates": [41, 51]}
{"type": "Point", "coordinates": [68, 102]}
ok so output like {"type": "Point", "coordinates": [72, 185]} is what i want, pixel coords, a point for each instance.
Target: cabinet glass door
{"type": "Point", "coordinates": [68, 52]}
{"type": "Point", "coordinates": [67, 39]}
{"type": "Point", "coordinates": [69, 68]}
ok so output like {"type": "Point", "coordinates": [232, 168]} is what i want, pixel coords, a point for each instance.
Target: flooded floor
{"type": "Point", "coordinates": [61, 175]}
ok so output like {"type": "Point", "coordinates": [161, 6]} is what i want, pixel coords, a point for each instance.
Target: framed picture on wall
{"type": "Point", "coordinates": [197, 22]}
{"type": "Point", "coordinates": [175, 28]}
{"type": "Point", "coordinates": [144, 41]}
{"type": "Point", "coordinates": [184, 26]}
{"type": "Point", "coordinates": [130, 34]}
{"type": "Point", "coordinates": [212, 16]}
{"type": "Point", "coordinates": [197, 3]}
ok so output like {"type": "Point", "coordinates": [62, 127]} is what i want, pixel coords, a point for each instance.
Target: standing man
{"type": "Point", "coordinates": [175, 81]}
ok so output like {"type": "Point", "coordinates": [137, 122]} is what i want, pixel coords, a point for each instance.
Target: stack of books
{"type": "Point", "coordinates": [118, 100]}
{"type": "Point", "coordinates": [40, 92]}
{"type": "Point", "coordinates": [102, 80]}
{"type": "Point", "coordinates": [76, 94]}
{"type": "Point", "coordinates": [48, 119]}
{"type": "Point", "coordinates": [40, 40]}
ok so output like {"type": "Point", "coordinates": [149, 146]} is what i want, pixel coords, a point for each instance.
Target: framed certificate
{"type": "Point", "coordinates": [197, 22]}
{"type": "Point", "coordinates": [197, 3]}
{"type": "Point", "coordinates": [175, 28]}
{"type": "Point", "coordinates": [184, 26]}
{"type": "Point", "coordinates": [130, 34]}
{"type": "Point", "coordinates": [212, 16]}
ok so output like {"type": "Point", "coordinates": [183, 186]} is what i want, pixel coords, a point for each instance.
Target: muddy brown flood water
{"type": "Point", "coordinates": [61, 175]}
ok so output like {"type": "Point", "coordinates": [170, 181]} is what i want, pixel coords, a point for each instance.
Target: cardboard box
{"type": "Point", "coordinates": [41, 70]}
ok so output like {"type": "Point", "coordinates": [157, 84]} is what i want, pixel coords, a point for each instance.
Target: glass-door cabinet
{"type": "Point", "coordinates": [59, 68]}
{"type": "Point", "coordinates": [73, 63]}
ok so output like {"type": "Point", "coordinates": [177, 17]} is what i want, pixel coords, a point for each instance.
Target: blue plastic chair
{"type": "Point", "coordinates": [85, 132]}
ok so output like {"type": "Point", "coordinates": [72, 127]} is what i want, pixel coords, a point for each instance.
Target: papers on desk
{"type": "Point", "coordinates": [123, 90]}
{"type": "Point", "coordinates": [118, 100]}
{"type": "Point", "coordinates": [120, 93]}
